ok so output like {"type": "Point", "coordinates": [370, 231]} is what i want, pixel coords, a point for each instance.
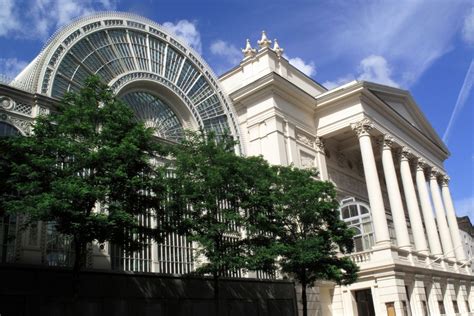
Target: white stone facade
{"type": "Point", "coordinates": [371, 141]}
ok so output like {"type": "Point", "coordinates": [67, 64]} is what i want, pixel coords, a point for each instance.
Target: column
{"type": "Point", "coordinates": [362, 128]}
{"type": "Point", "coordinates": [321, 159]}
{"type": "Point", "coordinates": [412, 203]}
{"type": "Point", "coordinates": [396, 205]}
{"type": "Point", "coordinates": [430, 224]}
{"type": "Point", "coordinates": [441, 216]}
{"type": "Point", "coordinates": [452, 220]}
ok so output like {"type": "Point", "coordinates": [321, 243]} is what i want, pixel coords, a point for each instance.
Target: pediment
{"type": "Point", "coordinates": [403, 104]}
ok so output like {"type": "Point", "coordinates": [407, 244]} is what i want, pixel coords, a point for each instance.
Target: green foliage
{"type": "Point", "coordinates": [310, 236]}
{"type": "Point", "coordinates": [216, 194]}
{"type": "Point", "coordinates": [87, 167]}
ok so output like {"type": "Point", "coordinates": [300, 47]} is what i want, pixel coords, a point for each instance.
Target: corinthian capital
{"type": "Point", "coordinates": [445, 180]}
{"type": "Point", "coordinates": [434, 174]}
{"type": "Point", "coordinates": [421, 164]}
{"type": "Point", "coordinates": [319, 144]}
{"type": "Point", "coordinates": [405, 153]}
{"type": "Point", "coordinates": [386, 142]}
{"type": "Point", "coordinates": [362, 127]}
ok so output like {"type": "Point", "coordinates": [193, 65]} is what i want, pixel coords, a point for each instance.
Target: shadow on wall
{"type": "Point", "coordinates": [40, 291]}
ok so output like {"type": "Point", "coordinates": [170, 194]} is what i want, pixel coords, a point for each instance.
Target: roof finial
{"type": "Point", "coordinates": [277, 49]}
{"type": "Point", "coordinates": [264, 42]}
{"type": "Point", "coordinates": [248, 51]}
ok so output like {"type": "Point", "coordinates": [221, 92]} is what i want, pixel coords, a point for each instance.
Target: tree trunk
{"type": "Point", "coordinates": [303, 296]}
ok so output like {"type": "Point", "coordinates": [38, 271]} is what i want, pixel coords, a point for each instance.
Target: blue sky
{"type": "Point", "coordinates": [426, 47]}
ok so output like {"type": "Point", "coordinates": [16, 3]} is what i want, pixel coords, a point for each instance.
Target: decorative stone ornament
{"type": "Point", "coordinates": [264, 42]}
{"type": "Point", "coordinates": [405, 153]}
{"type": "Point", "coordinates": [319, 145]}
{"type": "Point", "coordinates": [386, 142]}
{"type": "Point", "coordinates": [434, 173]}
{"type": "Point", "coordinates": [445, 180]}
{"type": "Point", "coordinates": [277, 49]}
{"type": "Point", "coordinates": [421, 164]}
{"type": "Point", "coordinates": [6, 102]}
{"type": "Point", "coordinates": [248, 51]}
{"type": "Point", "coordinates": [363, 127]}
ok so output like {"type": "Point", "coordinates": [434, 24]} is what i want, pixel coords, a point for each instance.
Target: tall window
{"type": "Point", "coordinates": [357, 216]}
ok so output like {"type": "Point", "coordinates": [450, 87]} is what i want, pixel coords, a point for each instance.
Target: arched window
{"type": "Point", "coordinates": [358, 217]}
{"type": "Point", "coordinates": [8, 130]}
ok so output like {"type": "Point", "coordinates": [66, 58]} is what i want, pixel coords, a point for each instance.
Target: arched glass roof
{"type": "Point", "coordinates": [125, 49]}
{"type": "Point", "coordinates": [155, 113]}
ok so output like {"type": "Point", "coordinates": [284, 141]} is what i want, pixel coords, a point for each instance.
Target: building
{"type": "Point", "coordinates": [466, 229]}
{"type": "Point", "coordinates": [371, 140]}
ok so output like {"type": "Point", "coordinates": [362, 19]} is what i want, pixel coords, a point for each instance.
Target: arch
{"type": "Point", "coordinates": [357, 215]}
{"type": "Point", "coordinates": [7, 129]}
{"type": "Point", "coordinates": [124, 49]}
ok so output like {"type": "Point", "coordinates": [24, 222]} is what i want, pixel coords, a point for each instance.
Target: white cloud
{"type": "Point", "coordinates": [7, 22]}
{"type": "Point", "coordinates": [186, 31]}
{"type": "Point", "coordinates": [468, 28]}
{"type": "Point", "coordinates": [338, 82]}
{"type": "Point", "coordinates": [376, 69]}
{"type": "Point", "coordinates": [40, 18]}
{"type": "Point", "coordinates": [372, 68]}
{"type": "Point", "coordinates": [465, 207]}
{"type": "Point", "coordinates": [308, 69]}
{"type": "Point", "coordinates": [461, 100]}
{"type": "Point", "coordinates": [10, 67]}
{"type": "Point", "coordinates": [409, 34]}
{"type": "Point", "coordinates": [229, 52]}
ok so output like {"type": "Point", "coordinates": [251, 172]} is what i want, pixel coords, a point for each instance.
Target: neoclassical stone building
{"type": "Point", "coordinates": [371, 140]}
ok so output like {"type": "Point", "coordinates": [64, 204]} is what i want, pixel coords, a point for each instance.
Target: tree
{"type": "Point", "coordinates": [216, 193]}
{"type": "Point", "coordinates": [310, 238]}
{"type": "Point", "coordinates": [87, 167]}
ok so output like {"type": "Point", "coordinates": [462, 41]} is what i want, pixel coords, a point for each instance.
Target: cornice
{"type": "Point", "coordinates": [280, 84]}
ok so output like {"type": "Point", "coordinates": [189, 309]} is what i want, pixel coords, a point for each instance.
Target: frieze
{"type": "Point", "coordinates": [307, 160]}
{"type": "Point", "coordinates": [305, 139]}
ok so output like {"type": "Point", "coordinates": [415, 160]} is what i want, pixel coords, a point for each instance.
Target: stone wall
{"type": "Point", "coordinates": [27, 290]}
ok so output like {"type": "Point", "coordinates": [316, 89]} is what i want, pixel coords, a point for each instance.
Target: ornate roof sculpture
{"type": "Point", "coordinates": [164, 80]}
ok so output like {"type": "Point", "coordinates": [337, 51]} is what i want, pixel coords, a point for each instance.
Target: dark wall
{"type": "Point", "coordinates": [40, 291]}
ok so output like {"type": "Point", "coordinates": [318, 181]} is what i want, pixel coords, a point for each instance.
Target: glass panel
{"type": "Point", "coordinates": [367, 227]}
{"type": "Point", "coordinates": [353, 209]}
{"type": "Point", "coordinates": [363, 210]}
{"type": "Point", "coordinates": [358, 244]}
{"type": "Point", "coordinates": [345, 212]}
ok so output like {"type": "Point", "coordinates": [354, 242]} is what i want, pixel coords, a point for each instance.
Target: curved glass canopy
{"type": "Point", "coordinates": [127, 50]}
{"type": "Point", "coordinates": [155, 113]}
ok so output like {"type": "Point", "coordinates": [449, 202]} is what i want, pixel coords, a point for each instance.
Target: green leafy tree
{"type": "Point", "coordinates": [87, 167]}
{"type": "Point", "coordinates": [310, 238]}
{"type": "Point", "coordinates": [216, 193]}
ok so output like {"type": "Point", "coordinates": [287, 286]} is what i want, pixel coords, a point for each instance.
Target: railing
{"type": "Point", "coordinates": [360, 257]}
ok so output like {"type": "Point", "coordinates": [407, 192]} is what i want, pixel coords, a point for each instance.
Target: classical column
{"type": "Point", "coordinates": [412, 203]}
{"type": "Point", "coordinates": [443, 228]}
{"type": "Point", "coordinates": [430, 224]}
{"type": "Point", "coordinates": [362, 129]}
{"type": "Point", "coordinates": [321, 158]}
{"type": "Point", "coordinates": [394, 197]}
{"type": "Point", "coordinates": [452, 220]}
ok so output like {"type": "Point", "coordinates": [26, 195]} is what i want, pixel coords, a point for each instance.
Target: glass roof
{"type": "Point", "coordinates": [119, 52]}
{"type": "Point", "coordinates": [155, 113]}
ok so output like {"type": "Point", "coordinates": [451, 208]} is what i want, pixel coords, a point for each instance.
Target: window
{"type": "Point", "coordinates": [357, 216]}
{"type": "Point", "coordinates": [441, 307]}
{"type": "Point", "coordinates": [456, 307]}
{"type": "Point", "coordinates": [425, 308]}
